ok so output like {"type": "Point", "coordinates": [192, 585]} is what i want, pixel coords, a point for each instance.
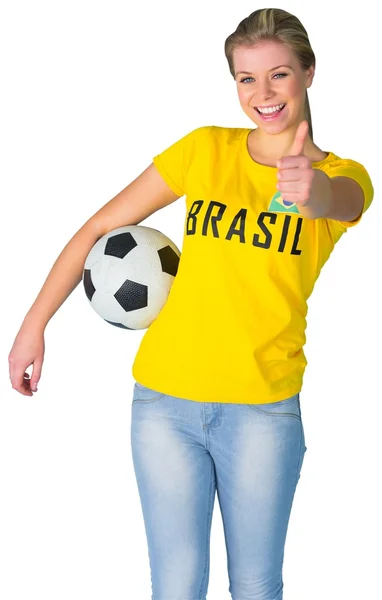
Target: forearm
{"type": "Point", "coordinates": [63, 277]}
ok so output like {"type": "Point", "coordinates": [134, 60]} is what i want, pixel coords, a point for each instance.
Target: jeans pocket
{"type": "Point", "coordinates": [145, 395]}
{"type": "Point", "coordinates": [290, 407]}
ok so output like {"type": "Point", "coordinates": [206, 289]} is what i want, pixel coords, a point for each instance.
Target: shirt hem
{"type": "Point", "coordinates": [268, 400]}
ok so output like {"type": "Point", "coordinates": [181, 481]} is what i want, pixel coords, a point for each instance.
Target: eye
{"type": "Point", "coordinates": [275, 75]}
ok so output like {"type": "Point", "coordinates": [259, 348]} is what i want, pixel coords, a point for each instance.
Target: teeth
{"type": "Point", "coordinates": [271, 110]}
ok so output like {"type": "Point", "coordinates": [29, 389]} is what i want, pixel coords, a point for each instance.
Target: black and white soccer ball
{"type": "Point", "coordinates": [128, 275]}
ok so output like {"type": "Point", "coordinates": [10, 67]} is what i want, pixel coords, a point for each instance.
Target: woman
{"type": "Point", "coordinates": [216, 405]}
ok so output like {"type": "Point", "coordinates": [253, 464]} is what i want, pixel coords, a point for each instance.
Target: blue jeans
{"type": "Point", "coordinates": [183, 452]}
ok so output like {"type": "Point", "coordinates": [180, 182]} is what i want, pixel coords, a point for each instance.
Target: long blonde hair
{"type": "Point", "coordinates": [278, 25]}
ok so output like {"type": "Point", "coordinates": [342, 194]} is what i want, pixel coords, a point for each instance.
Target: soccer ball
{"type": "Point", "coordinates": [128, 275]}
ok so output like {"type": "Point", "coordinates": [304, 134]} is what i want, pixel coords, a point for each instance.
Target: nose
{"type": "Point", "coordinates": [264, 91]}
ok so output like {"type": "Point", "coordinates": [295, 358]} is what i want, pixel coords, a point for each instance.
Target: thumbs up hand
{"type": "Point", "coordinates": [299, 183]}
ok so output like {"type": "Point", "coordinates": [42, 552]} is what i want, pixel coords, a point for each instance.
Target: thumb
{"type": "Point", "coordinates": [36, 373]}
{"type": "Point", "coordinates": [300, 138]}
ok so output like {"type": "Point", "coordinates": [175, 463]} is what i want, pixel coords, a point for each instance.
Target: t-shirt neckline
{"type": "Point", "coordinates": [245, 151]}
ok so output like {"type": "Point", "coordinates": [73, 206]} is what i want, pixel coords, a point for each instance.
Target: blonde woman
{"type": "Point", "coordinates": [216, 405]}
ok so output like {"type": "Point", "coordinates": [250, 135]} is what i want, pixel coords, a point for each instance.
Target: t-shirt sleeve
{"type": "Point", "coordinates": [174, 162]}
{"type": "Point", "coordinates": [354, 170]}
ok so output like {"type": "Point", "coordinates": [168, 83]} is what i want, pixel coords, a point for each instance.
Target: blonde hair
{"type": "Point", "coordinates": [277, 25]}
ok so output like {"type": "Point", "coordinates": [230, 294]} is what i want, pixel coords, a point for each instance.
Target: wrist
{"type": "Point", "coordinates": [33, 322]}
{"type": "Point", "coordinates": [321, 199]}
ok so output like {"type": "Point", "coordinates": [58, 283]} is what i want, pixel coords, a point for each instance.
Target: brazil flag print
{"type": "Point", "coordinates": [278, 204]}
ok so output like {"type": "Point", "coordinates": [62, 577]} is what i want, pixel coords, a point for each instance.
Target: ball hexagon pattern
{"type": "Point", "coordinates": [128, 275]}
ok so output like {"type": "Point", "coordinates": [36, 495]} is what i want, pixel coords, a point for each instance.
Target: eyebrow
{"type": "Point", "coordinates": [273, 69]}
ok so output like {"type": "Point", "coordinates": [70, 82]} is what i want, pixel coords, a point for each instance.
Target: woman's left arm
{"type": "Point", "coordinates": [339, 198]}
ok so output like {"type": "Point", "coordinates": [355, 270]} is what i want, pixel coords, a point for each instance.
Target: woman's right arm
{"type": "Point", "coordinates": [143, 196]}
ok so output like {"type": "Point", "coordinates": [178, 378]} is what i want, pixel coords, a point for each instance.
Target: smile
{"type": "Point", "coordinates": [270, 113]}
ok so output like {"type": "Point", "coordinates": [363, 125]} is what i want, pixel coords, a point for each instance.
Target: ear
{"type": "Point", "coordinates": [309, 76]}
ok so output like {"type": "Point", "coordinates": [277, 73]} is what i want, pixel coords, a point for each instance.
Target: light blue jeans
{"type": "Point", "coordinates": [183, 452]}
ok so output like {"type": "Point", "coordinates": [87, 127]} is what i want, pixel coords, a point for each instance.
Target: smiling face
{"type": "Point", "coordinates": [264, 85]}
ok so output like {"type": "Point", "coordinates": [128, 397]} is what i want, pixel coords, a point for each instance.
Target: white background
{"type": "Point", "coordinates": [91, 91]}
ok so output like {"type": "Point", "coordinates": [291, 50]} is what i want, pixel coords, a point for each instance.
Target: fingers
{"type": "Point", "coordinates": [288, 175]}
{"type": "Point", "coordinates": [27, 350]}
{"type": "Point", "coordinates": [290, 198]}
{"type": "Point", "coordinates": [294, 170]}
{"type": "Point", "coordinates": [300, 139]}
{"type": "Point", "coordinates": [26, 384]}
{"type": "Point", "coordinates": [19, 379]}
{"type": "Point", "coordinates": [36, 374]}
{"type": "Point", "coordinates": [289, 186]}
{"type": "Point", "coordinates": [293, 163]}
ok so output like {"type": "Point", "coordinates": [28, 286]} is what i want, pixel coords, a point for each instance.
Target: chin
{"type": "Point", "coordinates": [272, 127]}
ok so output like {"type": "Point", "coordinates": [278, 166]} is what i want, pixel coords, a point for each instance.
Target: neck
{"type": "Point", "coordinates": [275, 146]}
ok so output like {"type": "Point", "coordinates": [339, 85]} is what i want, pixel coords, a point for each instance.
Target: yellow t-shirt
{"type": "Point", "coordinates": [233, 327]}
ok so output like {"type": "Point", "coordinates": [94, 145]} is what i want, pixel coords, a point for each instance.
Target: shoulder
{"type": "Point", "coordinates": [335, 166]}
{"type": "Point", "coordinates": [333, 163]}
{"type": "Point", "coordinates": [211, 133]}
